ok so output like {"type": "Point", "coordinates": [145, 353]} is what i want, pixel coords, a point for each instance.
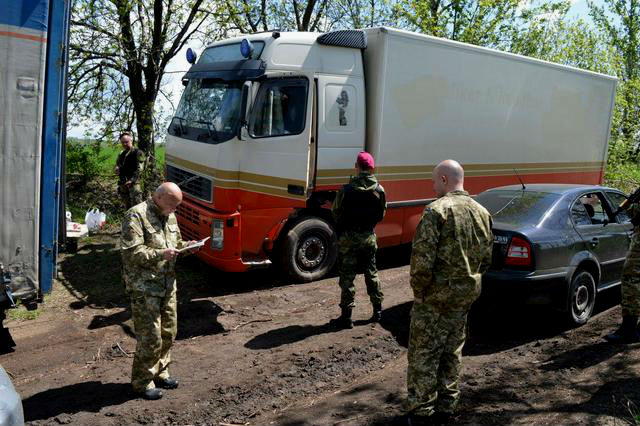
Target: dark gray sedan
{"type": "Point", "coordinates": [556, 244]}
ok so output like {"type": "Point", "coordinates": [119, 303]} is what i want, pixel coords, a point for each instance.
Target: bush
{"type": "Point", "coordinates": [84, 161]}
{"type": "Point", "coordinates": [622, 170]}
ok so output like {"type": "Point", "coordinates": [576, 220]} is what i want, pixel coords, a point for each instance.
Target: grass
{"type": "Point", "coordinates": [21, 314]}
{"type": "Point", "coordinates": [112, 152]}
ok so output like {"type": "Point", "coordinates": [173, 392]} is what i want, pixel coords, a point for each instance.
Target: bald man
{"type": "Point", "coordinates": [149, 242]}
{"type": "Point", "coordinates": [451, 250]}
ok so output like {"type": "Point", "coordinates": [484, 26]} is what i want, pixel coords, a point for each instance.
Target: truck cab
{"type": "Point", "coordinates": [260, 116]}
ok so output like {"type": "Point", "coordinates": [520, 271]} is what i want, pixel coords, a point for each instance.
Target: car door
{"type": "Point", "coordinates": [590, 212]}
{"type": "Point", "coordinates": [623, 230]}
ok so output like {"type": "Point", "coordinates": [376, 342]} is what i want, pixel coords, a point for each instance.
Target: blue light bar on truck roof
{"type": "Point", "coordinates": [246, 48]}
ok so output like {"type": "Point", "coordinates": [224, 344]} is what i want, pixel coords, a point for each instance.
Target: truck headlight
{"type": "Point", "coordinates": [217, 234]}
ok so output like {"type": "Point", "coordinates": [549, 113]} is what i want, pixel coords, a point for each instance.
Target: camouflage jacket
{"type": "Point", "coordinates": [451, 250]}
{"type": "Point", "coordinates": [130, 164]}
{"type": "Point", "coordinates": [364, 182]}
{"type": "Point", "coordinates": [634, 215]}
{"type": "Point", "coordinates": [144, 236]}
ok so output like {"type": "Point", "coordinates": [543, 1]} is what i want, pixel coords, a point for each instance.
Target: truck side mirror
{"type": "Point", "coordinates": [244, 114]}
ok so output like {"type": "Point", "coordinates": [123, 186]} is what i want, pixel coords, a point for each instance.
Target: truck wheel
{"type": "Point", "coordinates": [71, 245]}
{"type": "Point", "coordinates": [310, 250]}
{"type": "Point", "coordinates": [582, 297]}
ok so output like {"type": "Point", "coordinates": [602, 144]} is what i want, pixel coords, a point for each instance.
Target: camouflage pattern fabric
{"type": "Point", "coordinates": [630, 286]}
{"type": "Point", "coordinates": [130, 196]}
{"type": "Point", "coordinates": [155, 325]}
{"type": "Point", "coordinates": [434, 359]}
{"type": "Point", "coordinates": [451, 250]}
{"type": "Point", "coordinates": [150, 282]}
{"type": "Point", "coordinates": [358, 249]}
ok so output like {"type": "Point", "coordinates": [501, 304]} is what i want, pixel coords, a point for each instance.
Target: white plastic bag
{"type": "Point", "coordinates": [94, 219]}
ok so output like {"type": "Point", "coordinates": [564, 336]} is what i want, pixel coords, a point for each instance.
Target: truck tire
{"type": "Point", "coordinates": [310, 250]}
{"type": "Point", "coordinates": [71, 245]}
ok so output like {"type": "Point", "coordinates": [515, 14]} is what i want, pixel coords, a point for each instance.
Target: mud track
{"type": "Point", "coordinates": [252, 350]}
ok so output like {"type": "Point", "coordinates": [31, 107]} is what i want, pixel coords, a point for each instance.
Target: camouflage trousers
{"type": "Point", "coordinates": [434, 359]}
{"type": "Point", "coordinates": [130, 196]}
{"type": "Point", "coordinates": [358, 249]}
{"type": "Point", "coordinates": [631, 280]}
{"type": "Point", "coordinates": [156, 326]}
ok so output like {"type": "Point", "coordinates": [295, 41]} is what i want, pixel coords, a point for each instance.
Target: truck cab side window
{"type": "Point", "coordinates": [280, 108]}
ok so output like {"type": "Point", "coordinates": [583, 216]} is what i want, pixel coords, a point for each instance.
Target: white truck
{"type": "Point", "coordinates": [269, 126]}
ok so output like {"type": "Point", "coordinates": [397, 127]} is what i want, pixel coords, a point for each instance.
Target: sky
{"type": "Point", "coordinates": [179, 65]}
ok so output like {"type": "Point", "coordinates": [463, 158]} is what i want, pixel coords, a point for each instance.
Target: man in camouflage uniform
{"type": "Point", "coordinates": [129, 167]}
{"type": "Point", "coordinates": [451, 250]}
{"type": "Point", "coordinates": [149, 245]}
{"type": "Point", "coordinates": [627, 332]}
{"type": "Point", "coordinates": [358, 207]}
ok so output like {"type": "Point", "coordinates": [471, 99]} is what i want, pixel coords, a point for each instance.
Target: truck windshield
{"type": "Point", "coordinates": [209, 111]}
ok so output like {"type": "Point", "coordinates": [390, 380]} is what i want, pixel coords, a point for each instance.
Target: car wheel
{"type": "Point", "coordinates": [310, 250]}
{"type": "Point", "coordinates": [582, 297]}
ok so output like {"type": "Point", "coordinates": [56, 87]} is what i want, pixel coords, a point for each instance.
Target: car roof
{"type": "Point", "coordinates": [554, 188]}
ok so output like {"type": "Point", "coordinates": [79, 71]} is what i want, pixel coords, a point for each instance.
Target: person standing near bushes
{"type": "Point", "coordinates": [129, 167]}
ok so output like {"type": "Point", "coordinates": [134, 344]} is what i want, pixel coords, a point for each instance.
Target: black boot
{"type": "Point", "coordinates": [168, 383]}
{"type": "Point", "coordinates": [343, 321]}
{"type": "Point", "coordinates": [627, 333]}
{"type": "Point", "coordinates": [150, 394]}
{"type": "Point", "coordinates": [377, 313]}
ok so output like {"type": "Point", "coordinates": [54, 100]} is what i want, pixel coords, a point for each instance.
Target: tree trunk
{"type": "Point", "coordinates": [144, 125]}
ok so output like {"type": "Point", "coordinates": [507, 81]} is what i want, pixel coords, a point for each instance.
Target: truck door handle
{"type": "Point", "coordinates": [594, 241]}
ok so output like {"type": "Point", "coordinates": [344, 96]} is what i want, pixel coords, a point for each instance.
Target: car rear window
{"type": "Point", "coordinates": [517, 207]}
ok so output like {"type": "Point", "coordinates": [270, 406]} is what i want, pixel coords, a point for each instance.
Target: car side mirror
{"type": "Point", "coordinates": [244, 114]}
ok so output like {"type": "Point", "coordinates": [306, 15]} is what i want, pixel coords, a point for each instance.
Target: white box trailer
{"type": "Point", "coordinates": [429, 99]}
{"type": "Point", "coordinates": [269, 126]}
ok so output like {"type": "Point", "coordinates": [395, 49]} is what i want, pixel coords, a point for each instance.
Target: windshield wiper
{"type": "Point", "coordinates": [180, 120]}
{"type": "Point", "coordinates": [213, 133]}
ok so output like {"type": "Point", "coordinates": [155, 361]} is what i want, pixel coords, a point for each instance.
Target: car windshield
{"type": "Point", "coordinates": [209, 111]}
{"type": "Point", "coordinates": [516, 207]}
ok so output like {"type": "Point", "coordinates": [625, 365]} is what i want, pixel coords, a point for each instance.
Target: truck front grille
{"type": "Point", "coordinates": [190, 183]}
{"type": "Point", "coordinates": [189, 214]}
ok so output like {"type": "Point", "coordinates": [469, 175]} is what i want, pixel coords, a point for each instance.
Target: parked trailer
{"type": "Point", "coordinates": [269, 126]}
{"type": "Point", "coordinates": [33, 40]}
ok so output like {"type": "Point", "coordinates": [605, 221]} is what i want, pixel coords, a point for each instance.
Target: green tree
{"type": "Point", "coordinates": [119, 51]}
{"type": "Point", "coordinates": [619, 20]}
{"type": "Point", "coordinates": [480, 22]}
{"type": "Point", "coordinates": [363, 13]}
{"type": "Point", "coordinates": [250, 16]}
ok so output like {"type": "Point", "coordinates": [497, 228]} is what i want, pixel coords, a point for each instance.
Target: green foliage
{"type": "Point", "coordinates": [85, 161]}
{"type": "Point", "coordinates": [619, 22]}
{"type": "Point", "coordinates": [490, 23]}
{"type": "Point", "coordinates": [118, 51]}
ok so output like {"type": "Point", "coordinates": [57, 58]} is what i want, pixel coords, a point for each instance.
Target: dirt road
{"type": "Point", "coordinates": [254, 351]}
